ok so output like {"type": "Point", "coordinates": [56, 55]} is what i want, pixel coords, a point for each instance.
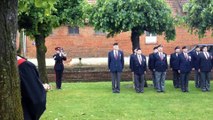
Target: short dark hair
{"type": "Point", "coordinates": [115, 44]}
{"type": "Point", "coordinates": [177, 47]}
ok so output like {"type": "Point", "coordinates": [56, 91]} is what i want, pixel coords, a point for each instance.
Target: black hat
{"type": "Point", "coordinates": [155, 48]}
{"type": "Point", "coordinates": [159, 46]}
{"type": "Point", "coordinates": [177, 47]}
{"type": "Point", "coordinates": [138, 49]}
{"type": "Point", "coordinates": [115, 44]}
{"type": "Point", "coordinates": [184, 47]}
{"type": "Point", "coordinates": [197, 47]}
{"type": "Point", "coordinates": [58, 48]}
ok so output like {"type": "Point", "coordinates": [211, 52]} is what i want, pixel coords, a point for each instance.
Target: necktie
{"type": "Point", "coordinates": [206, 55]}
{"type": "Point", "coordinates": [161, 56]}
{"type": "Point", "coordinates": [116, 54]}
{"type": "Point", "coordinates": [186, 56]}
{"type": "Point", "coordinates": [177, 54]}
{"type": "Point", "coordinates": [140, 59]}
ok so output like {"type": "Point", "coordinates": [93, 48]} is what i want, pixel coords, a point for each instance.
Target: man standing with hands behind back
{"type": "Point", "coordinates": [160, 67]}
{"type": "Point", "coordinates": [205, 66]}
{"type": "Point", "coordinates": [115, 65]}
{"type": "Point", "coordinates": [139, 68]}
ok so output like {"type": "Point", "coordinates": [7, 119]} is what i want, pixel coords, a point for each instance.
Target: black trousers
{"type": "Point", "coordinates": [154, 79]}
{"type": "Point", "coordinates": [184, 81]}
{"type": "Point", "coordinates": [197, 79]}
{"type": "Point", "coordinates": [58, 74]}
{"type": "Point", "coordinates": [205, 81]}
{"type": "Point", "coordinates": [176, 79]}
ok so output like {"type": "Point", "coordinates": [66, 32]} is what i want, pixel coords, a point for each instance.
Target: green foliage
{"type": "Point", "coordinates": [36, 22]}
{"type": "Point", "coordinates": [116, 16]}
{"type": "Point", "coordinates": [36, 18]}
{"type": "Point", "coordinates": [71, 12]}
{"type": "Point", "coordinates": [47, 4]}
{"type": "Point", "coordinates": [199, 16]}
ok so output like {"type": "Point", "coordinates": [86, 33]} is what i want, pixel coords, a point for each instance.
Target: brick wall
{"type": "Point", "coordinates": [91, 74]}
{"type": "Point", "coordinates": [88, 44]}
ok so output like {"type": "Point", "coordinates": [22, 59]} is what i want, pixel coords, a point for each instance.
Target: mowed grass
{"type": "Point", "coordinates": [95, 101]}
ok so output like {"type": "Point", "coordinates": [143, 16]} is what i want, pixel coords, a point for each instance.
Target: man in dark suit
{"type": "Point", "coordinates": [185, 68]}
{"type": "Point", "coordinates": [205, 66]}
{"type": "Point", "coordinates": [151, 65]}
{"type": "Point", "coordinates": [33, 94]}
{"type": "Point", "coordinates": [139, 68]}
{"type": "Point", "coordinates": [160, 67]}
{"type": "Point", "coordinates": [116, 65]}
{"type": "Point", "coordinates": [131, 65]}
{"type": "Point", "coordinates": [195, 57]}
{"type": "Point", "coordinates": [59, 57]}
{"type": "Point", "coordinates": [174, 64]}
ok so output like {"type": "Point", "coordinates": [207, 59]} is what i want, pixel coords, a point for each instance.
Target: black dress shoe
{"type": "Point", "coordinates": [141, 91]}
{"type": "Point", "coordinates": [137, 91]}
{"type": "Point", "coordinates": [203, 90]}
{"type": "Point", "coordinates": [162, 91]}
{"type": "Point", "coordinates": [159, 91]}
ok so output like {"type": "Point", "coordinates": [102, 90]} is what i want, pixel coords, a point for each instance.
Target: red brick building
{"type": "Point", "coordinates": [88, 43]}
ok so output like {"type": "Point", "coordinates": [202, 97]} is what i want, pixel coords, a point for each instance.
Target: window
{"type": "Point", "coordinates": [151, 38]}
{"type": "Point", "coordinates": [73, 30]}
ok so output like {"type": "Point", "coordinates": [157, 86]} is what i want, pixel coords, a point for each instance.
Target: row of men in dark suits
{"type": "Point", "coordinates": [183, 63]}
{"type": "Point", "coordinates": [180, 62]}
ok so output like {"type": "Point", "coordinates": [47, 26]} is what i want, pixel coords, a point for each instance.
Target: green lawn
{"type": "Point", "coordinates": [95, 101]}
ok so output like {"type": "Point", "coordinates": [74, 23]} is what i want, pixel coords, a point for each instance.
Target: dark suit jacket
{"type": "Point", "coordinates": [185, 65]}
{"type": "Point", "coordinates": [174, 61]}
{"type": "Point", "coordinates": [59, 62]}
{"type": "Point", "coordinates": [151, 61]}
{"type": "Point", "coordinates": [137, 67]}
{"type": "Point", "coordinates": [131, 61]}
{"type": "Point", "coordinates": [115, 65]}
{"type": "Point", "coordinates": [160, 65]}
{"type": "Point", "coordinates": [195, 59]}
{"type": "Point", "coordinates": [205, 65]}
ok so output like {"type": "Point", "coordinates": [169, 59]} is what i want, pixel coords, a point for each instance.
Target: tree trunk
{"type": "Point", "coordinates": [20, 43]}
{"type": "Point", "coordinates": [135, 38]}
{"type": "Point", "coordinates": [10, 96]}
{"type": "Point", "coordinates": [40, 53]}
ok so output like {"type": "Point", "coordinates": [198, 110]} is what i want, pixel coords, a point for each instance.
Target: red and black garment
{"type": "Point", "coordinates": [32, 91]}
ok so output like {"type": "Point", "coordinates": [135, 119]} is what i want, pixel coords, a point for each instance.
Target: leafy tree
{"type": "Point", "coordinates": [71, 12]}
{"type": "Point", "coordinates": [199, 16]}
{"type": "Point", "coordinates": [10, 97]}
{"type": "Point", "coordinates": [137, 16]}
{"type": "Point", "coordinates": [38, 25]}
